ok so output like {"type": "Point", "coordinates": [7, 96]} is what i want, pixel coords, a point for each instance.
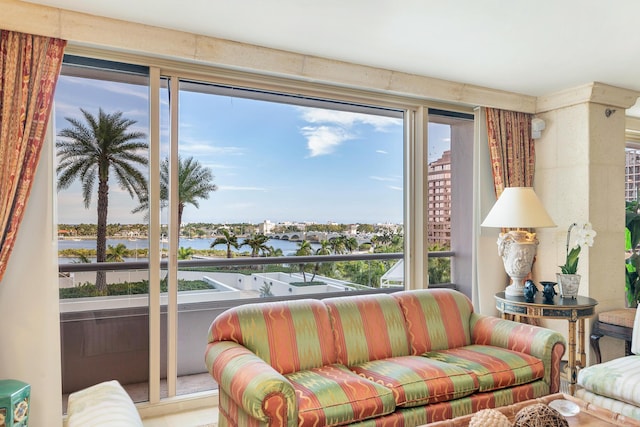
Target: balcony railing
{"type": "Point", "coordinates": [107, 337]}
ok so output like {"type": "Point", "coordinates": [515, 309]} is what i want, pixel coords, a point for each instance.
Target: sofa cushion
{"type": "Point", "coordinates": [437, 319]}
{"type": "Point", "coordinates": [617, 379]}
{"type": "Point", "coordinates": [289, 335]}
{"type": "Point", "coordinates": [333, 395]}
{"type": "Point", "coordinates": [417, 380]}
{"type": "Point", "coordinates": [367, 327]}
{"type": "Point", "coordinates": [494, 367]}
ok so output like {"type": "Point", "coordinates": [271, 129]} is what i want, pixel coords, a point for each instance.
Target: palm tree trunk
{"type": "Point", "coordinates": [101, 234]}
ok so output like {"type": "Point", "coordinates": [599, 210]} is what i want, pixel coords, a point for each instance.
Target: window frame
{"type": "Point", "coordinates": [415, 200]}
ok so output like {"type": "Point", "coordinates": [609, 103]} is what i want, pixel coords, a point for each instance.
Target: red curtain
{"type": "Point", "coordinates": [29, 69]}
{"type": "Point", "coordinates": [511, 147]}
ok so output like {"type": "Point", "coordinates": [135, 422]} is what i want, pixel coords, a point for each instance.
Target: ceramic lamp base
{"type": "Point", "coordinates": [514, 290]}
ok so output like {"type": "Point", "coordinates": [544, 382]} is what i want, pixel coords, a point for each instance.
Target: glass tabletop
{"type": "Point", "coordinates": [539, 300]}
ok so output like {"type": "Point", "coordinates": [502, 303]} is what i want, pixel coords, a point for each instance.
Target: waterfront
{"type": "Point", "coordinates": [288, 247]}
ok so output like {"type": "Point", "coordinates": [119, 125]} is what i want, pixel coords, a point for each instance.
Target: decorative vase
{"type": "Point", "coordinates": [569, 284]}
{"type": "Point", "coordinates": [529, 291]}
{"type": "Point", "coordinates": [549, 291]}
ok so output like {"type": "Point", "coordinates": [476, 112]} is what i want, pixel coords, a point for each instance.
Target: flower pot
{"type": "Point", "coordinates": [569, 284]}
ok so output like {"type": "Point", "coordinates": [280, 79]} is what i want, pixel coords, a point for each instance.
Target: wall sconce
{"type": "Point", "coordinates": [537, 126]}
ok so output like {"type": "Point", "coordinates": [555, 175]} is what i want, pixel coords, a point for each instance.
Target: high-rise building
{"type": "Point", "coordinates": [632, 174]}
{"type": "Point", "coordinates": [439, 205]}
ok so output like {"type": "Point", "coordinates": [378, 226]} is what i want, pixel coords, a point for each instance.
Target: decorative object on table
{"type": "Point", "coordinates": [549, 291]}
{"type": "Point", "coordinates": [569, 285]}
{"type": "Point", "coordinates": [570, 281]}
{"type": "Point", "coordinates": [519, 208]}
{"type": "Point", "coordinates": [632, 261]}
{"type": "Point", "coordinates": [539, 415]}
{"type": "Point", "coordinates": [489, 418]}
{"type": "Point", "coordinates": [565, 407]}
{"type": "Point", "coordinates": [14, 403]}
{"type": "Point", "coordinates": [530, 290]}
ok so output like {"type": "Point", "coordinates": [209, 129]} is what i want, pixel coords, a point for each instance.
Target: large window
{"type": "Point", "coordinates": [231, 194]}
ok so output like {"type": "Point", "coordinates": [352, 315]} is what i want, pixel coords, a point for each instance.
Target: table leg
{"type": "Point", "coordinates": [573, 373]}
{"type": "Point", "coordinates": [582, 362]}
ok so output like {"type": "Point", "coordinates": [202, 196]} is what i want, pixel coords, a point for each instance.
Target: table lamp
{"type": "Point", "coordinates": [519, 208]}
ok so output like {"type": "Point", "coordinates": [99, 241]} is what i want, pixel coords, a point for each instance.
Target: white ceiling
{"type": "Point", "coordinates": [532, 47]}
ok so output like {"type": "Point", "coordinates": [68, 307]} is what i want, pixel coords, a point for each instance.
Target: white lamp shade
{"type": "Point", "coordinates": [518, 207]}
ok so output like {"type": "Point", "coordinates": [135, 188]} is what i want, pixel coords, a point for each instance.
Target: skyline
{"type": "Point", "coordinates": [270, 161]}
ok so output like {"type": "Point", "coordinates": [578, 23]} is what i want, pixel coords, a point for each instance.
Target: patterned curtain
{"type": "Point", "coordinates": [512, 149]}
{"type": "Point", "coordinates": [512, 153]}
{"type": "Point", "coordinates": [29, 69]}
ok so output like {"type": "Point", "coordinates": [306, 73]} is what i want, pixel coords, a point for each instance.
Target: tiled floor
{"type": "Point", "coordinates": [201, 417]}
{"type": "Point", "coordinates": [186, 384]}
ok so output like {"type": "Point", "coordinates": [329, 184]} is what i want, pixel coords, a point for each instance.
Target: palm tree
{"type": "Point", "coordinates": [194, 182]}
{"type": "Point", "coordinates": [117, 253]}
{"type": "Point", "coordinates": [257, 243]}
{"type": "Point", "coordinates": [185, 253]}
{"type": "Point", "coordinates": [325, 248]}
{"type": "Point", "coordinates": [337, 245]}
{"type": "Point", "coordinates": [82, 257]}
{"type": "Point", "coordinates": [93, 149]}
{"type": "Point", "coordinates": [229, 239]}
{"type": "Point", "coordinates": [275, 251]}
{"type": "Point", "coordinates": [304, 249]}
{"type": "Point", "coordinates": [351, 244]}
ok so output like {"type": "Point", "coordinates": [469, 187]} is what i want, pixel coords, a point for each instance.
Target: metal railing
{"type": "Point", "coordinates": [240, 261]}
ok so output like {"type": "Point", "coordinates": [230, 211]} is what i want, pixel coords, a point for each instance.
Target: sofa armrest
{"type": "Point", "coordinates": [253, 384]}
{"type": "Point", "coordinates": [545, 344]}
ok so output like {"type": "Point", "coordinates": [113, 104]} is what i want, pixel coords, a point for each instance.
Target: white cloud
{"type": "Point", "coordinates": [396, 188]}
{"type": "Point", "coordinates": [348, 119]}
{"type": "Point", "coordinates": [117, 88]}
{"type": "Point", "coordinates": [239, 188]}
{"type": "Point", "coordinates": [381, 178]}
{"type": "Point", "coordinates": [323, 140]}
{"type": "Point", "coordinates": [331, 128]}
{"type": "Point", "coordinates": [199, 148]}
{"type": "Point", "coordinates": [382, 152]}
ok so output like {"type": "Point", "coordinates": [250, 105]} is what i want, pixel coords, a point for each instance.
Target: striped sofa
{"type": "Point", "coordinates": [401, 359]}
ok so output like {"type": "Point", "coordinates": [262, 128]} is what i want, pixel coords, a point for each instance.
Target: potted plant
{"type": "Point", "coordinates": [569, 280]}
{"type": "Point", "coordinates": [632, 262]}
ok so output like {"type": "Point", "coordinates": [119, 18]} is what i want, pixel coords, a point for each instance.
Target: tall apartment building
{"type": "Point", "coordinates": [632, 174]}
{"type": "Point", "coordinates": [439, 205]}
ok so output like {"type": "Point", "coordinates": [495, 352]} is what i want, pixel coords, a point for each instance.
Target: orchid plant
{"type": "Point", "coordinates": [583, 236]}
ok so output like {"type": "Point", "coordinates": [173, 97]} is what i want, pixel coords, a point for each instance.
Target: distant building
{"type": "Point", "coordinates": [632, 174]}
{"type": "Point", "coordinates": [266, 227]}
{"type": "Point", "coordinates": [439, 204]}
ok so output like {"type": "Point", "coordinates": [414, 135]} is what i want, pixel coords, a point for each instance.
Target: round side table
{"type": "Point", "coordinates": [574, 310]}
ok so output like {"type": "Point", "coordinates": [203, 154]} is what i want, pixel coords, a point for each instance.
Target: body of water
{"type": "Point", "coordinates": [288, 247]}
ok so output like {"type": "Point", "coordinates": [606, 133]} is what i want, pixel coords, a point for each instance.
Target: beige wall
{"type": "Point", "coordinates": [578, 175]}
{"type": "Point", "coordinates": [30, 332]}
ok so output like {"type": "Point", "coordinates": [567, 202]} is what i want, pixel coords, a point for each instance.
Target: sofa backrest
{"type": "Point", "coordinates": [289, 335]}
{"type": "Point", "coordinates": [367, 327]}
{"type": "Point", "coordinates": [437, 319]}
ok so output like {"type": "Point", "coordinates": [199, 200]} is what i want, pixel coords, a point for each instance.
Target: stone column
{"type": "Point", "coordinates": [580, 171]}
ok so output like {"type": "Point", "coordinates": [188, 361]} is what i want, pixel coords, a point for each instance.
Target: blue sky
{"type": "Point", "coordinates": [270, 161]}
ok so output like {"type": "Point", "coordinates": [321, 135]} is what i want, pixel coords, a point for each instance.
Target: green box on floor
{"type": "Point", "coordinates": [14, 403]}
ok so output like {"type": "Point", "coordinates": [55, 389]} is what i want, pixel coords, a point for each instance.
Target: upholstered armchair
{"type": "Point", "coordinates": [615, 385]}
